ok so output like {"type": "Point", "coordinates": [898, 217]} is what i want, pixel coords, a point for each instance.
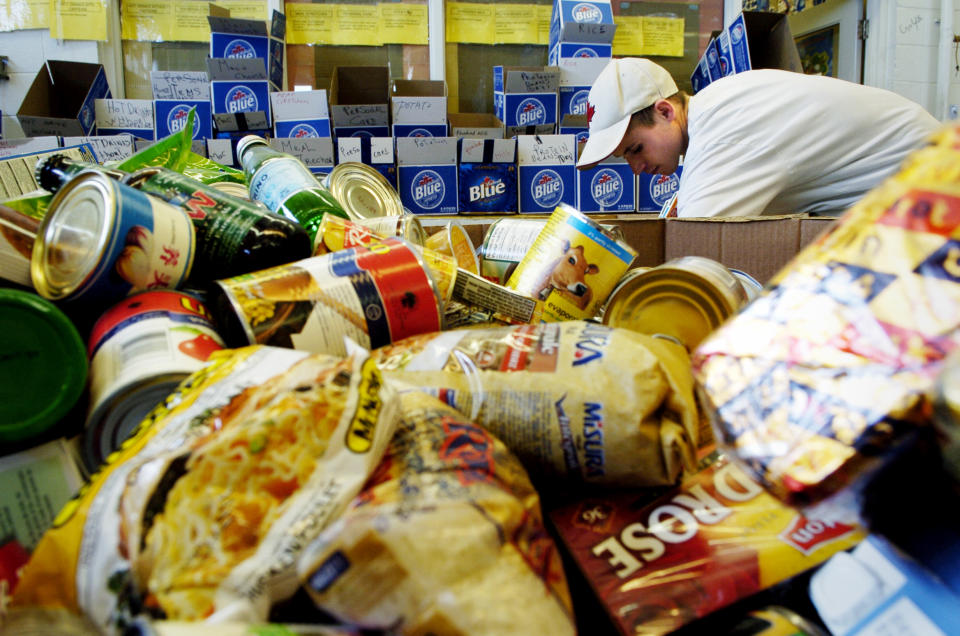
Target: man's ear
{"type": "Point", "coordinates": [665, 109]}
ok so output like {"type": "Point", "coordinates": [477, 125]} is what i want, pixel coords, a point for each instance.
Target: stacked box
{"type": "Point", "coordinates": [546, 172]}
{"type": "Point", "coordinates": [240, 91]}
{"type": "Point", "coordinates": [577, 75]}
{"type": "Point", "coordinates": [654, 190]}
{"type": "Point", "coordinates": [245, 39]}
{"type": "Point", "coordinates": [300, 113]}
{"type": "Point", "coordinates": [427, 174]}
{"type": "Point", "coordinates": [418, 108]}
{"type": "Point", "coordinates": [525, 98]}
{"type": "Point", "coordinates": [581, 28]}
{"type": "Point", "coordinates": [610, 187]}
{"type": "Point", "coordinates": [487, 176]}
{"type": "Point", "coordinates": [359, 97]}
{"type": "Point", "coordinates": [575, 125]}
{"type": "Point", "coordinates": [174, 94]}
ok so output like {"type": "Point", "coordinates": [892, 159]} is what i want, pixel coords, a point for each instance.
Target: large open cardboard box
{"type": "Point", "coordinates": [61, 99]}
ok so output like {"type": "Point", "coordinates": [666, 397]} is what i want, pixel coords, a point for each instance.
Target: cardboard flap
{"type": "Point", "coordinates": [574, 121]}
{"type": "Point", "coordinates": [475, 125]}
{"type": "Point", "coordinates": [770, 41]}
{"type": "Point", "coordinates": [582, 21]}
{"type": "Point", "coordinates": [221, 151]}
{"type": "Point", "coordinates": [531, 79]}
{"type": "Point", "coordinates": [580, 71]}
{"type": "Point", "coordinates": [416, 151]}
{"type": "Point", "coordinates": [105, 147]}
{"type": "Point", "coordinates": [488, 151]}
{"type": "Point", "coordinates": [351, 85]}
{"type": "Point", "coordinates": [278, 25]}
{"type": "Point", "coordinates": [192, 85]}
{"type": "Point", "coordinates": [546, 150]}
{"type": "Point", "coordinates": [234, 68]}
{"type": "Point", "coordinates": [313, 151]}
{"type": "Point", "coordinates": [299, 105]}
{"type": "Point", "coordinates": [234, 122]}
{"type": "Point", "coordinates": [237, 26]}
{"type": "Point", "coordinates": [368, 150]}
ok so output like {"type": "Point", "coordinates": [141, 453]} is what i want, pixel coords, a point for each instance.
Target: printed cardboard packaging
{"type": "Point", "coordinates": [359, 101]}
{"type": "Point", "coordinates": [577, 75]}
{"type": "Point", "coordinates": [575, 125]}
{"type": "Point", "coordinates": [242, 38]}
{"type": "Point", "coordinates": [546, 172]}
{"type": "Point", "coordinates": [653, 190]}
{"type": "Point", "coordinates": [60, 101]}
{"type": "Point", "coordinates": [418, 108]}
{"type": "Point", "coordinates": [427, 174]}
{"type": "Point", "coordinates": [487, 176]}
{"type": "Point", "coordinates": [581, 21]}
{"type": "Point", "coordinates": [609, 187]}
{"type": "Point", "coordinates": [525, 98]}
{"type": "Point", "coordinates": [376, 152]}
{"type": "Point", "coordinates": [174, 94]}
{"type": "Point", "coordinates": [578, 50]}
{"type": "Point", "coordinates": [240, 90]}
{"type": "Point", "coordinates": [132, 116]}
{"type": "Point", "coordinates": [300, 113]}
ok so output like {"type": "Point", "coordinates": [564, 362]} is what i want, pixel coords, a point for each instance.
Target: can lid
{"type": "Point", "coordinates": [43, 369]}
{"type": "Point", "coordinates": [363, 191]}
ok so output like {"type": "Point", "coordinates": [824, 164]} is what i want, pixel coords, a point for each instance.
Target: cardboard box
{"type": "Point", "coordinates": [475, 125]}
{"type": "Point", "coordinates": [577, 75]}
{"type": "Point", "coordinates": [315, 152]}
{"type": "Point", "coordinates": [525, 98]}
{"type": "Point", "coordinates": [762, 40]}
{"type": "Point", "coordinates": [27, 145]}
{"type": "Point", "coordinates": [427, 174]}
{"type": "Point", "coordinates": [576, 125]}
{"type": "Point", "coordinates": [359, 101]}
{"type": "Point", "coordinates": [116, 116]}
{"type": "Point", "coordinates": [609, 187]}
{"type": "Point", "coordinates": [376, 152]}
{"type": "Point", "coordinates": [238, 87]}
{"type": "Point", "coordinates": [578, 50]}
{"type": "Point", "coordinates": [487, 176]}
{"type": "Point", "coordinates": [418, 108]}
{"type": "Point", "coordinates": [174, 94]}
{"type": "Point", "coordinates": [300, 113]}
{"type": "Point", "coordinates": [581, 21]}
{"type": "Point", "coordinates": [246, 39]}
{"type": "Point", "coordinates": [546, 172]}
{"type": "Point", "coordinates": [654, 190]}
{"type": "Point", "coordinates": [105, 148]}
{"type": "Point", "coordinates": [60, 101]}
{"type": "Point", "coordinates": [700, 76]}
{"type": "Point", "coordinates": [222, 151]}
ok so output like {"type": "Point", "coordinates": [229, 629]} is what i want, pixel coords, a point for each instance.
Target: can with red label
{"type": "Point", "coordinates": [102, 240]}
{"type": "Point", "coordinates": [139, 350]}
{"type": "Point", "coordinates": [374, 294]}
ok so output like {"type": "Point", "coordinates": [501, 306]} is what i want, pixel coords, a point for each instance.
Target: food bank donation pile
{"type": "Point", "coordinates": [394, 485]}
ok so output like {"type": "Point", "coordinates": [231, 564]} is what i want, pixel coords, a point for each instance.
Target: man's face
{"type": "Point", "coordinates": [653, 149]}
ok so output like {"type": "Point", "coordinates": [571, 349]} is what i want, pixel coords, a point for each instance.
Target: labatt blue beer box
{"type": "Point", "coordinates": [60, 101]}
{"type": "Point", "coordinates": [359, 101]}
{"type": "Point", "coordinates": [300, 113]}
{"type": "Point", "coordinates": [577, 75]}
{"type": "Point", "coordinates": [418, 108]}
{"type": "Point", "coordinates": [700, 77]}
{"type": "Point", "coordinates": [239, 87]}
{"type": "Point", "coordinates": [758, 39]}
{"type": "Point", "coordinates": [575, 125]}
{"type": "Point", "coordinates": [376, 152]}
{"type": "Point", "coordinates": [174, 94]}
{"type": "Point", "coordinates": [578, 50]}
{"type": "Point", "coordinates": [610, 187]}
{"type": "Point", "coordinates": [653, 190]}
{"type": "Point", "coordinates": [546, 172]}
{"type": "Point", "coordinates": [131, 116]}
{"type": "Point", "coordinates": [525, 98]}
{"type": "Point", "coordinates": [427, 174]}
{"type": "Point", "coordinates": [581, 21]}
{"type": "Point", "coordinates": [247, 39]}
{"type": "Point", "coordinates": [487, 176]}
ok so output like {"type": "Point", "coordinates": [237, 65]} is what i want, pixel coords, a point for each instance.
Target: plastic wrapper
{"type": "Point", "coordinates": [203, 510]}
{"type": "Point", "coordinates": [829, 372]}
{"type": "Point", "coordinates": [446, 538]}
{"type": "Point", "coordinates": [717, 538]}
{"type": "Point", "coordinates": [574, 400]}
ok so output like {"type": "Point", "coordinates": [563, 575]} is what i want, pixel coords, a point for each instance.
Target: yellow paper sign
{"type": "Point", "coordinates": [471, 23]}
{"type": "Point", "coordinates": [190, 21]}
{"type": "Point", "coordinates": [544, 13]}
{"type": "Point", "coordinates": [628, 38]}
{"type": "Point", "coordinates": [78, 19]}
{"type": "Point", "coordinates": [356, 24]}
{"type": "Point", "coordinates": [247, 9]}
{"type": "Point", "coordinates": [16, 15]}
{"type": "Point", "coordinates": [403, 24]}
{"type": "Point", "coordinates": [663, 36]}
{"type": "Point", "coordinates": [146, 20]}
{"type": "Point", "coordinates": [310, 23]}
{"type": "Point", "coordinates": [516, 24]}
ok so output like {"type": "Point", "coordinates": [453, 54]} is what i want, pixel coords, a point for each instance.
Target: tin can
{"type": "Point", "coordinates": [363, 191]}
{"type": "Point", "coordinates": [17, 235]}
{"type": "Point", "coordinates": [102, 240]}
{"type": "Point", "coordinates": [336, 233]}
{"type": "Point", "coordinates": [139, 351]}
{"type": "Point", "coordinates": [624, 280]}
{"type": "Point", "coordinates": [233, 188]}
{"type": "Point", "coordinates": [374, 294]}
{"type": "Point", "coordinates": [407, 227]}
{"type": "Point", "coordinates": [775, 620]}
{"type": "Point", "coordinates": [507, 240]}
{"type": "Point", "coordinates": [454, 241]}
{"type": "Point", "coordinates": [751, 286]}
{"type": "Point", "coordinates": [572, 266]}
{"type": "Point", "coordinates": [685, 298]}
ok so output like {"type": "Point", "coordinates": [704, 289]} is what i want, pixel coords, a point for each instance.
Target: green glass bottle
{"type": "Point", "coordinates": [53, 171]}
{"type": "Point", "coordinates": [285, 184]}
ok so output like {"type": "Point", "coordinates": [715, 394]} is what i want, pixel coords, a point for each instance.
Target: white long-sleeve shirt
{"type": "Point", "coordinates": [777, 142]}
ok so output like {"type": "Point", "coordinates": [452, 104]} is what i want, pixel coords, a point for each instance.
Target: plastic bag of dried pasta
{"type": "Point", "coordinates": [446, 538]}
{"type": "Point", "coordinates": [201, 512]}
{"type": "Point", "coordinates": [574, 400]}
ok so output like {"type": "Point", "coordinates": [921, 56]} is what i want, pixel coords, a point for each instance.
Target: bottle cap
{"type": "Point", "coordinates": [43, 368]}
{"type": "Point", "coordinates": [247, 141]}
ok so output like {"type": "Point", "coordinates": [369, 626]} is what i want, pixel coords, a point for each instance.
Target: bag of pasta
{"type": "Point", "coordinates": [574, 400]}
{"type": "Point", "coordinates": [203, 510]}
{"type": "Point", "coordinates": [446, 538]}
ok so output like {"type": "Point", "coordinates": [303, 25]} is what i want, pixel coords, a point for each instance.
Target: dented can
{"type": "Point", "coordinates": [102, 240]}
{"type": "Point", "coordinates": [685, 299]}
{"type": "Point", "coordinates": [374, 294]}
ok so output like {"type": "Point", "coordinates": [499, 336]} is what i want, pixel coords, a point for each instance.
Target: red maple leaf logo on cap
{"type": "Point", "coordinates": [590, 111]}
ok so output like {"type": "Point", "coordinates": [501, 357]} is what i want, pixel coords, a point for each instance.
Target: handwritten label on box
{"type": "Point", "coordinates": [180, 85]}
{"type": "Point", "coordinates": [124, 113]}
{"type": "Point", "coordinates": [313, 151]}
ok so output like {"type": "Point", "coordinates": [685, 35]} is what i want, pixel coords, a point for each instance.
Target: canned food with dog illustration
{"type": "Point", "coordinates": [572, 266]}
{"type": "Point", "coordinates": [363, 191]}
{"type": "Point", "coordinates": [685, 298]}
{"type": "Point", "coordinates": [102, 240]}
{"type": "Point", "coordinates": [374, 294]}
{"type": "Point", "coordinates": [139, 350]}
{"type": "Point", "coordinates": [454, 241]}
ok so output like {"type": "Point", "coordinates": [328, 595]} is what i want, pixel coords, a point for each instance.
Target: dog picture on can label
{"type": "Point", "coordinates": [567, 276]}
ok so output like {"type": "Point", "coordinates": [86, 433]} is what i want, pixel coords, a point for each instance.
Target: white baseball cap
{"type": "Point", "coordinates": [623, 87]}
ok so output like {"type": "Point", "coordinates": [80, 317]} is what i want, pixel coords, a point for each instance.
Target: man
{"type": "Point", "coordinates": [759, 142]}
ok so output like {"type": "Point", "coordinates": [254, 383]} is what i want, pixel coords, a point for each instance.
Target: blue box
{"type": "Point", "coordinates": [170, 116]}
{"type": "Point", "coordinates": [418, 108]}
{"type": "Point", "coordinates": [578, 50]}
{"type": "Point", "coordinates": [487, 176]}
{"type": "Point", "coordinates": [526, 97]}
{"type": "Point", "coordinates": [712, 57]}
{"type": "Point", "coordinates": [376, 152]}
{"type": "Point", "coordinates": [119, 116]}
{"type": "Point", "coordinates": [653, 190]}
{"type": "Point", "coordinates": [575, 125]}
{"type": "Point", "coordinates": [546, 172]}
{"type": "Point", "coordinates": [302, 128]}
{"type": "Point", "coordinates": [359, 101]}
{"type": "Point", "coordinates": [581, 21]}
{"type": "Point", "coordinates": [610, 187]}
{"type": "Point", "coordinates": [577, 75]}
{"type": "Point", "coordinates": [427, 174]}
{"type": "Point", "coordinates": [238, 38]}
{"type": "Point", "coordinates": [419, 130]}
{"type": "Point", "coordinates": [724, 54]}
{"type": "Point", "coordinates": [701, 75]}
{"type": "Point", "coordinates": [240, 97]}
{"type": "Point", "coordinates": [300, 113]}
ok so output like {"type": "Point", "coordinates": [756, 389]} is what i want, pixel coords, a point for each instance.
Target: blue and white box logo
{"type": "Point", "coordinates": [654, 190]}
{"type": "Point", "coordinates": [427, 174]}
{"type": "Point", "coordinates": [546, 172]}
{"type": "Point", "coordinates": [427, 189]}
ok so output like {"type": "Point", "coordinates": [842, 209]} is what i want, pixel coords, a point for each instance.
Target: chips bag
{"type": "Point", "coordinates": [446, 538]}
{"type": "Point", "coordinates": [574, 400]}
